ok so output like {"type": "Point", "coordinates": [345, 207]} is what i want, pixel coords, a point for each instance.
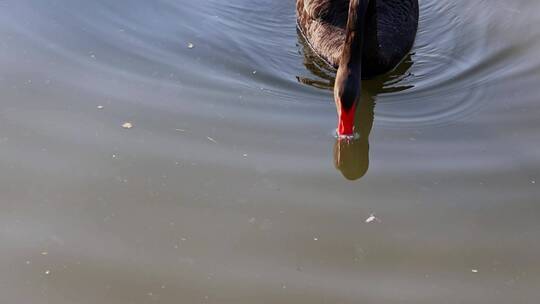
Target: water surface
{"type": "Point", "coordinates": [226, 189]}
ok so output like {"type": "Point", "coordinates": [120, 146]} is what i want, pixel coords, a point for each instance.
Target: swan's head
{"type": "Point", "coordinates": [346, 96]}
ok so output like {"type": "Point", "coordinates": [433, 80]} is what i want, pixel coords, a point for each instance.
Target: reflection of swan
{"type": "Point", "coordinates": [363, 38]}
{"type": "Point", "coordinates": [351, 156]}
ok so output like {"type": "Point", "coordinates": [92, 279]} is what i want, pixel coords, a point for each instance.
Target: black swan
{"type": "Point", "coordinates": [361, 38]}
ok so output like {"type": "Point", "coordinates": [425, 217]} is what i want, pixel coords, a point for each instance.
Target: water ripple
{"type": "Point", "coordinates": [251, 47]}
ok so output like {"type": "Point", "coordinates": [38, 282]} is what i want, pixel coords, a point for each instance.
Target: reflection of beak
{"type": "Point", "coordinates": [351, 157]}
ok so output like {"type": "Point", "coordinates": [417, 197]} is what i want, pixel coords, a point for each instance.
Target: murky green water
{"type": "Point", "coordinates": [226, 190]}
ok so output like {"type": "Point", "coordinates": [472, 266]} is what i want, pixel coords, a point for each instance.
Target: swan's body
{"type": "Point", "coordinates": [362, 38]}
{"type": "Point", "coordinates": [390, 29]}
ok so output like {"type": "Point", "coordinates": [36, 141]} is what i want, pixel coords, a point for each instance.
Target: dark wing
{"type": "Point", "coordinates": [317, 9]}
{"type": "Point", "coordinates": [331, 11]}
{"type": "Point", "coordinates": [322, 23]}
{"type": "Point", "coordinates": [396, 23]}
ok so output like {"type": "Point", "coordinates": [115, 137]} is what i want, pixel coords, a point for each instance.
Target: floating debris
{"type": "Point", "coordinates": [315, 238]}
{"type": "Point", "coordinates": [127, 125]}
{"type": "Point", "coordinates": [47, 272]}
{"type": "Point", "coordinates": [254, 72]}
{"type": "Point", "coordinates": [180, 130]}
{"type": "Point", "coordinates": [211, 139]}
{"type": "Point", "coordinates": [44, 253]}
{"type": "Point", "coordinates": [372, 218]}
{"type": "Point", "coordinates": [190, 45]}
{"type": "Point", "coordinates": [474, 270]}
{"type": "Point", "coordinates": [100, 107]}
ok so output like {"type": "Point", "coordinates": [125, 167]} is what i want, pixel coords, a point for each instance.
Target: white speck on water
{"type": "Point", "coordinates": [211, 139]}
{"type": "Point", "coordinates": [252, 220]}
{"type": "Point", "coordinates": [114, 156]}
{"type": "Point", "coordinates": [44, 253]}
{"type": "Point", "coordinates": [315, 238]}
{"type": "Point", "coordinates": [245, 155]}
{"type": "Point", "coordinates": [190, 45]}
{"type": "Point", "coordinates": [254, 72]}
{"type": "Point", "coordinates": [127, 125]}
{"type": "Point", "coordinates": [47, 272]}
{"type": "Point", "coordinates": [100, 107]}
{"type": "Point", "coordinates": [533, 182]}
{"type": "Point", "coordinates": [474, 270]}
{"type": "Point", "coordinates": [372, 218]}
{"type": "Point", "coordinates": [180, 130]}
{"type": "Point", "coordinates": [28, 262]}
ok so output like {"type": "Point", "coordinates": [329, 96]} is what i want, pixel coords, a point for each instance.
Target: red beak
{"type": "Point", "coordinates": [346, 121]}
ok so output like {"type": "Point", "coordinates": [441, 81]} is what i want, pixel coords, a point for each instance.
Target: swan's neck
{"type": "Point", "coordinates": [351, 55]}
{"type": "Point", "coordinates": [348, 77]}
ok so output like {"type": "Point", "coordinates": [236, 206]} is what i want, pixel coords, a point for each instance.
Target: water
{"type": "Point", "coordinates": [225, 190]}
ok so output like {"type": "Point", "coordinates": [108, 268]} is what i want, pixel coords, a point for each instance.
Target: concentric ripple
{"type": "Point", "coordinates": [438, 83]}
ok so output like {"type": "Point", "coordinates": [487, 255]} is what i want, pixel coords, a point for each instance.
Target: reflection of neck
{"type": "Point", "coordinates": [351, 56]}
{"type": "Point", "coordinates": [351, 157]}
